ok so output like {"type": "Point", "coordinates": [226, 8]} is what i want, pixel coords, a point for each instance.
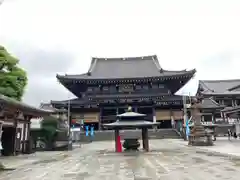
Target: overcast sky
{"type": "Point", "coordinates": [61, 36]}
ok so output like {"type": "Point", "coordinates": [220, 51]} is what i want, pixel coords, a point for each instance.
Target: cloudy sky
{"type": "Point", "coordinates": [61, 36]}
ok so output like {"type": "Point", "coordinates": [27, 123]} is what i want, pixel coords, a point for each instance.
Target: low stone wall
{"type": "Point", "coordinates": [109, 135]}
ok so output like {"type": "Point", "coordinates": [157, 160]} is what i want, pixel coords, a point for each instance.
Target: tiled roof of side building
{"type": "Point", "coordinates": [226, 93]}
{"type": "Point", "coordinates": [219, 86]}
{"type": "Point", "coordinates": [27, 109]}
{"type": "Point", "coordinates": [231, 109]}
{"type": "Point", "coordinates": [49, 107]}
{"type": "Point", "coordinates": [132, 67]}
{"type": "Point", "coordinates": [209, 103]}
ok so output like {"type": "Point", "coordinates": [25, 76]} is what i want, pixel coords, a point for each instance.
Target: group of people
{"type": "Point", "coordinates": [232, 134]}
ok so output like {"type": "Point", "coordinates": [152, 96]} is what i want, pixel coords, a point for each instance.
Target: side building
{"type": "Point", "coordinates": [224, 92]}
{"type": "Point", "coordinates": [113, 84]}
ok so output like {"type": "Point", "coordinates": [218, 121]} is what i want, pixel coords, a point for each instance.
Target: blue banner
{"type": "Point", "coordinates": [187, 128]}
{"type": "Point", "coordinates": [92, 131]}
{"type": "Point", "coordinates": [87, 130]}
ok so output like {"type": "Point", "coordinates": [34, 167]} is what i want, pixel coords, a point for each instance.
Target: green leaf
{"type": "Point", "coordinates": [13, 79]}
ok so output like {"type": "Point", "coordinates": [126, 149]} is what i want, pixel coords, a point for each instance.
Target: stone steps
{"type": "Point", "coordinates": [109, 135]}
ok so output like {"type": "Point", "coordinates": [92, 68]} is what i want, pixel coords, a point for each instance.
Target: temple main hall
{"type": "Point", "coordinates": [111, 85]}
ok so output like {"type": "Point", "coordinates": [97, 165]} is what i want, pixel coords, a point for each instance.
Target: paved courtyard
{"type": "Point", "coordinates": [168, 160]}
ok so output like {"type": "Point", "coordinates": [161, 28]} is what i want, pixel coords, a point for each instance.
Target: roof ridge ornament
{"type": "Point", "coordinates": [93, 65]}
{"type": "Point", "coordinates": [156, 62]}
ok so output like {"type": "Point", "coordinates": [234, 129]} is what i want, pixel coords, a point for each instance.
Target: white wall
{"type": "Point", "coordinates": [36, 123]}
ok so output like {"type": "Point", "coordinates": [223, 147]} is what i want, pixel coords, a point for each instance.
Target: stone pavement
{"type": "Point", "coordinates": [221, 146]}
{"type": "Point", "coordinates": [168, 160]}
{"type": "Point", "coordinates": [13, 162]}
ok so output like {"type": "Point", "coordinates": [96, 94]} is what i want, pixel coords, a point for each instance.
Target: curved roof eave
{"type": "Point", "coordinates": [85, 76]}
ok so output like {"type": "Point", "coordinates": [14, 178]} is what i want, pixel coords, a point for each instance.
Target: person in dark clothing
{"type": "Point", "coordinates": [229, 134]}
{"type": "Point", "coordinates": [235, 135]}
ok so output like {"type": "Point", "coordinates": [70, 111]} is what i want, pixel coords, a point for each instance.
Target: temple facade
{"type": "Point", "coordinates": [111, 85]}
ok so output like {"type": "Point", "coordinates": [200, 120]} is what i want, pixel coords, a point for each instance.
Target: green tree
{"type": "Point", "coordinates": [13, 79]}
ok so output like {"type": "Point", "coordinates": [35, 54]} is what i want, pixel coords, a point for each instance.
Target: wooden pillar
{"type": "Point", "coordinates": [100, 119]}
{"type": "Point", "coordinates": [28, 147]}
{"type": "Point", "coordinates": [172, 119]}
{"type": "Point", "coordinates": [213, 118]}
{"type": "Point", "coordinates": [15, 137]}
{"type": "Point", "coordinates": [117, 110]}
{"type": "Point", "coordinates": [26, 129]}
{"type": "Point", "coordinates": [1, 124]}
{"type": "Point", "coordinates": [116, 137]}
{"type": "Point", "coordinates": [144, 138]}
{"type": "Point", "coordinates": [135, 108]}
{"type": "Point", "coordinates": [24, 136]}
{"type": "Point", "coordinates": [154, 114]}
{"type": "Point", "coordinates": [28, 142]}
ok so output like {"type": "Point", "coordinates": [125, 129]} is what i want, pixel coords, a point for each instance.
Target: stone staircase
{"type": "Point", "coordinates": [109, 135]}
{"type": "Point", "coordinates": [164, 134]}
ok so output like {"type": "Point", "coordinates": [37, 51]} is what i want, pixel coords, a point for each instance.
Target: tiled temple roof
{"type": "Point", "coordinates": [220, 87]}
{"type": "Point", "coordinates": [49, 107]}
{"type": "Point", "coordinates": [209, 103]}
{"type": "Point", "coordinates": [121, 68]}
{"type": "Point", "coordinates": [27, 109]}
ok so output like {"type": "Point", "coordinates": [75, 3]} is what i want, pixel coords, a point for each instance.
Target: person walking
{"type": "Point", "coordinates": [235, 135]}
{"type": "Point", "coordinates": [91, 133]}
{"type": "Point", "coordinates": [229, 134]}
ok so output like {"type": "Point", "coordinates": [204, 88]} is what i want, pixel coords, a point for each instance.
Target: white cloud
{"type": "Point", "coordinates": [184, 34]}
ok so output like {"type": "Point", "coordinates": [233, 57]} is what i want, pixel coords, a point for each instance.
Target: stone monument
{"type": "Point", "coordinates": [198, 135]}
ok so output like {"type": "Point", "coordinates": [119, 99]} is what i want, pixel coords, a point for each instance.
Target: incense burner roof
{"type": "Point", "coordinates": [130, 119]}
{"type": "Point", "coordinates": [133, 124]}
{"type": "Point", "coordinates": [131, 114]}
